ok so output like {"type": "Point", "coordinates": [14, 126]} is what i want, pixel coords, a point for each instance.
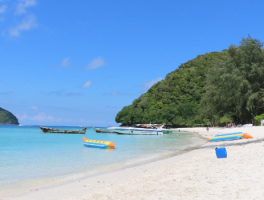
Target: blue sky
{"type": "Point", "coordinates": [80, 62]}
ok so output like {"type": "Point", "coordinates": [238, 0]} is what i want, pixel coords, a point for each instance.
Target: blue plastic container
{"type": "Point", "coordinates": [221, 152]}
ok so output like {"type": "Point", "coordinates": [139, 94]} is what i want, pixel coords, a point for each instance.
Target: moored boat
{"type": "Point", "coordinates": [138, 131]}
{"type": "Point", "coordinates": [99, 130]}
{"type": "Point", "coordinates": [54, 130]}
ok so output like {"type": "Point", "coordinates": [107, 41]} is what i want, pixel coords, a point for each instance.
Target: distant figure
{"type": "Point", "coordinates": [207, 128]}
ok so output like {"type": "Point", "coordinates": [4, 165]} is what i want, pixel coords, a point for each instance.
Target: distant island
{"type": "Point", "coordinates": [213, 89]}
{"type": "Point", "coordinates": [7, 117]}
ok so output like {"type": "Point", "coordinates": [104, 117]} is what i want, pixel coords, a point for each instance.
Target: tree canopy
{"type": "Point", "coordinates": [210, 89]}
{"type": "Point", "coordinates": [235, 87]}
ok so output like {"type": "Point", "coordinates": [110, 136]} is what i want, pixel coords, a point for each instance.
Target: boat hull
{"type": "Point", "coordinates": [53, 130]}
{"type": "Point", "coordinates": [139, 132]}
{"type": "Point", "coordinates": [98, 130]}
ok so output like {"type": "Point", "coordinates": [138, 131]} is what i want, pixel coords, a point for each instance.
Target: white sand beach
{"type": "Point", "coordinates": [197, 174]}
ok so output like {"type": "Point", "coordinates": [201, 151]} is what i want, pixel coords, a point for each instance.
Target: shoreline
{"type": "Point", "coordinates": [176, 177]}
{"type": "Point", "coordinates": [24, 187]}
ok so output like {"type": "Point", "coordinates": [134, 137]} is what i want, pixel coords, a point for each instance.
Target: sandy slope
{"type": "Point", "coordinates": [193, 175]}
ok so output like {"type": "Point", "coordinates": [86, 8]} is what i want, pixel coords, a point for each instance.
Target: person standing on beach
{"type": "Point", "coordinates": [207, 128]}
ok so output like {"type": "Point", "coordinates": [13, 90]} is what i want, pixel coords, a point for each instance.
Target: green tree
{"type": "Point", "coordinates": [258, 119]}
{"type": "Point", "coordinates": [226, 119]}
{"type": "Point", "coordinates": [235, 86]}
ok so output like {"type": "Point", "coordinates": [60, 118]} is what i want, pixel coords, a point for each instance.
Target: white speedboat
{"type": "Point", "coordinates": [138, 131]}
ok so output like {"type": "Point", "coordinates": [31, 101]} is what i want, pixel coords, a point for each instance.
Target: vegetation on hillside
{"type": "Point", "coordinates": [209, 89]}
{"type": "Point", "coordinates": [7, 117]}
{"type": "Point", "coordinates": [235, 87]}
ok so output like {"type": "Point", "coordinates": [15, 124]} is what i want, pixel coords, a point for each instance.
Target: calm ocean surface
{"type": "Point", "coordinates": [27, 154]}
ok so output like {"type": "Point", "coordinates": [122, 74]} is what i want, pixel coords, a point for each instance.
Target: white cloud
{"type": "Point", "coordinates": [95, 63]}
{"type": "Point", "coordinates": [65, 62]}
{"type": "Point", "coordinates": [23, 5]}
{"type": "Point", "coordinates": [87, 84]}
{"type": "Point", "coordinates": [148, 85]}
{"type": "Point", "coordinates": [3, 9]}
{"type": "Point", "coordinates": [34, 107]}
{"type": "Point", "coordinates": [22, 117]}
{"type": "Point", "coordinates": [27, 24]}
{"type": "Point", "coordinates": [114, 93]}
{"type": "Point", "coordinates": [43, 117]}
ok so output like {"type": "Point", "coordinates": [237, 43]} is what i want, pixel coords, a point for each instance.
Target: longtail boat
{"type": "Point", "coordinates": [98, 130]}
{"type": "Point", "coordinates": [54, 130]}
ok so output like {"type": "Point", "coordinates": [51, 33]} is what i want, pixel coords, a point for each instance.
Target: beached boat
{"type": "Point", "coordinates": [99, 130]}
{"type": "Point", "coordinates": [53, 130]}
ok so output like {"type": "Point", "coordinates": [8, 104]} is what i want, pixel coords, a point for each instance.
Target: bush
{"type": "Point", "coordinates": [258, 118]}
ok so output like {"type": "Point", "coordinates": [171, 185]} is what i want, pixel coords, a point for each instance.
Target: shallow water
{"type": "Point", "coordinates": [27, 153]}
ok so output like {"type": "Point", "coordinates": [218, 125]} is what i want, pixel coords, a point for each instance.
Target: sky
{"type": "Point", "coordinates": [80, 62]}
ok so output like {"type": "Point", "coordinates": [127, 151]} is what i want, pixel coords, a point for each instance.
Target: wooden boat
{"type": "Point", "coordinates": [53, 130]}
{"type": "Point", "coordinates": [152, 126]}
{"type": "Point", "coordinates": [98, 130]}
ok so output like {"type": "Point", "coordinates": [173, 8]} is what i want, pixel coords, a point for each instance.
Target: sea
{"type": "Point", "coordinates": [26, 153]}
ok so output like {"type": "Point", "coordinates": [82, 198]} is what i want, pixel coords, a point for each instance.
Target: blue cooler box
{"type": "Point", "coordinates": [221, 152]}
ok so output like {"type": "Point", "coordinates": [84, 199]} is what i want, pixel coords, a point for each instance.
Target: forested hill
{"type": "Point", "coordinates": [215, 88]}
{"type": "Point", "coordinates": [176, 99]}
{"type": "Point", "coordinates": [7, 117]}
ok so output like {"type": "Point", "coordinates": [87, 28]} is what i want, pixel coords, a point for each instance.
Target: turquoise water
{"type": "Point", "coordinates": [27, 153]}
